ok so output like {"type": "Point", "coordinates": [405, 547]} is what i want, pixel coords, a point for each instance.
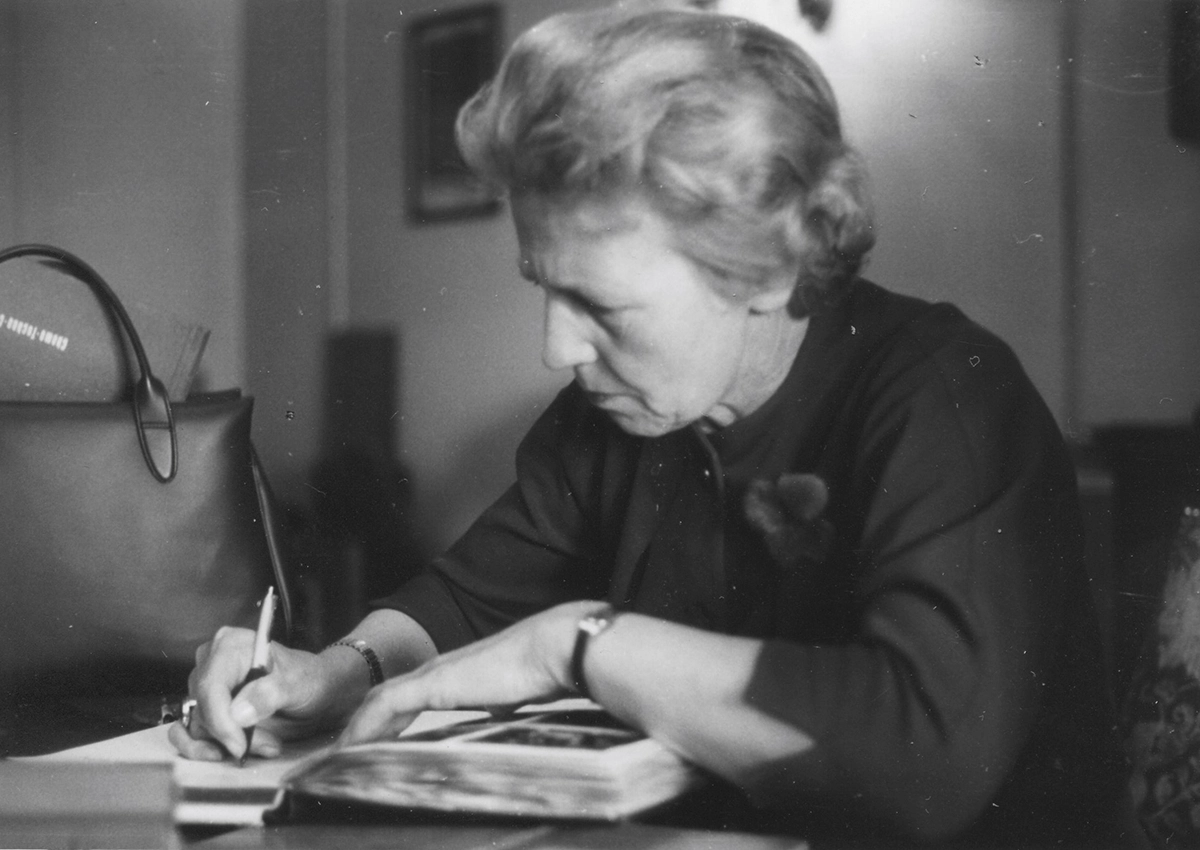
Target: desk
{"type": "Point", "coordinates": [74, 806]}
{"type": "Point", "coordinates": [627, 836]}
{"type": "Point", "coordinates": [120, 794]}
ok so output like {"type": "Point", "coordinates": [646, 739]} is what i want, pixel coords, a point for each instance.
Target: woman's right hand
{"type": "Point", "coordinates": [301, 694]}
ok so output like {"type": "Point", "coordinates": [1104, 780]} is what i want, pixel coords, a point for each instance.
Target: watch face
{"type": "Point", "coordinates": [593, 625]}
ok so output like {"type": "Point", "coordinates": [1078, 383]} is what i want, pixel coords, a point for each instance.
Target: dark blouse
{"type": "Point", "coordinates": [942, 650]}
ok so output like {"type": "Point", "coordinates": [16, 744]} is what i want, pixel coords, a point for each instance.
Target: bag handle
{"type": "Point", "coordinates": [151, 407]}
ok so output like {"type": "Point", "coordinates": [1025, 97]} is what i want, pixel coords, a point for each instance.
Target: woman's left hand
{"type": "Point", "coordinates": [527, 662]}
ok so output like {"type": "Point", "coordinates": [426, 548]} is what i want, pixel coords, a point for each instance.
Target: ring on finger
{"type": "Point", "coordinates": [187, 712]}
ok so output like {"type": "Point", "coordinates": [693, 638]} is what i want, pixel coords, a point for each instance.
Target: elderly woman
{"type": "Point", "coordinates": [819, 538]}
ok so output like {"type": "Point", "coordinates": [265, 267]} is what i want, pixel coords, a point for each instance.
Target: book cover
{"type": "Point", "coordinates": [575, 763]}
{"type": "Point", "coordinates": [58, 343]}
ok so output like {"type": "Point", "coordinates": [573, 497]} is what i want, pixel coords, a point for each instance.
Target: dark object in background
{"type": "Point", "coordinates": [1183, 70]}
{"type": "Point", "coordinates": [1162, 737]}
{"type": "Point", "coordinates": [1156, 473]}
{"type": "Point", "coordinates": [363, 501]}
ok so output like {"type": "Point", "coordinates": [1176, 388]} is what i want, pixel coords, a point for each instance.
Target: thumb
{"type": "Point", "coordinates": [257, 700]}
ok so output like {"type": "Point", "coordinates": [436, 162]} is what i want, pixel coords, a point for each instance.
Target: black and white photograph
{"type": "Point", "coordinates": [805, 390]}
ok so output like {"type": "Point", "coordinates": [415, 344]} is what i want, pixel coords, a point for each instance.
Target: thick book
{"type": "Point", "coordinates": [57, 343]}
{"type": "Point", "coordinates": [574, 762]}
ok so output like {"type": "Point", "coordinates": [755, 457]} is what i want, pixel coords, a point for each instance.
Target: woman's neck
{"type": "Point", "coordinates": [773, 342]}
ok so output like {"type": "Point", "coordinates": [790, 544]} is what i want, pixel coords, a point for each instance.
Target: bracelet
{"type": "Point", "coordinates": [587, 628]}
{"type": "Point", "coordinates": [368, 654]}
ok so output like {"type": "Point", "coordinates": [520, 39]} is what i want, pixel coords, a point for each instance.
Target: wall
{"type": "Point", "coordinates": [127, 151]}
{"type": "Point", "coordinates": [1139, 243]}
{"type": "Point", "coordinates": [8, 128]}
{"type": "Point", "coordinates": [469, 327]}
{"type": "Point", "coordinates": [955, 104]}
{"type": "Point", "coordinates": [284, 128]}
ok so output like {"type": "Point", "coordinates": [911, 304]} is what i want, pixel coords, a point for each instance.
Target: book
{"type": "Point", "coordinates": [58, 343]}
{"type": "Point", "coordinates": [571, 761]}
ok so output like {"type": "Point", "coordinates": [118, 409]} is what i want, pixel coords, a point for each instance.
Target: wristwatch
{"type": "Point", "coordinates": [589, 627]}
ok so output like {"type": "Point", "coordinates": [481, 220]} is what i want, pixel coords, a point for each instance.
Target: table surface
{"type": "Point", "coordinates": [120, 794]}
{"type": "Point", "coordinates": [124, 805]}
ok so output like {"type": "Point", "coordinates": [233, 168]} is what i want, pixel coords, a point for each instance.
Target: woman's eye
{"type": "Point", "coordinates": [593, 307]}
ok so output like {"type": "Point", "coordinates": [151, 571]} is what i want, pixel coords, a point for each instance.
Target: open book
{"type": "Point", "coordinates": [573, 762]}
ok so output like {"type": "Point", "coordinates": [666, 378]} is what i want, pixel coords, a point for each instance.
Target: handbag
{"type": "Point", "coordinates": [129, 531]}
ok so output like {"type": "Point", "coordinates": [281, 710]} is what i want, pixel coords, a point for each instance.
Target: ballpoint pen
{"type": "Point", "coordinates": [258, 662]}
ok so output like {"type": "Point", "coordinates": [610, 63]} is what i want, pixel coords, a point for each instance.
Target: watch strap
{"type": "Point", "coordinates": [588, 627]}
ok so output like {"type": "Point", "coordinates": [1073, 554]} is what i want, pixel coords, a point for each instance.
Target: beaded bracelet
{"type": "Point", "coordinates": [368, 654]}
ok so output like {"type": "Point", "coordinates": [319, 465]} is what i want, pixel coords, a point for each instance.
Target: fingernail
{"type": "Point", "coordinates": [269, 751]}
{"type": "Point", "coordinates": [243, 714]}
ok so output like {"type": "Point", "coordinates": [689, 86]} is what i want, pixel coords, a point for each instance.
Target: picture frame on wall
{"type": "Point", "coordinates": [449, 55]}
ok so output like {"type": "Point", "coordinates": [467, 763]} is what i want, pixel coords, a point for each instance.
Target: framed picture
{"type": "Point", "coordinates": [448, 57]}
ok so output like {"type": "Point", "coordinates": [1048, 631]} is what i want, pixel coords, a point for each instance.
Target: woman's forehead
{"type": "Point", "coordinates": [553, 215]}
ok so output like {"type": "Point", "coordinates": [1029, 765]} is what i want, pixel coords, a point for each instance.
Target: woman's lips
{"type": "Point", "coordinates": [599, 399]}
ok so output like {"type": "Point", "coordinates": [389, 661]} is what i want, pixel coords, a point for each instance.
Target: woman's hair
{"type": "Point", "coordinates": [726, 128]}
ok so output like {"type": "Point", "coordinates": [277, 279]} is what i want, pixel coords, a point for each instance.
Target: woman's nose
{"type": "Point", "coordinates": [565, 342]}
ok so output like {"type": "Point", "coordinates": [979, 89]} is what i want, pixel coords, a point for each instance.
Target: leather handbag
{"type": "Point", "coordinates": [129, 531]}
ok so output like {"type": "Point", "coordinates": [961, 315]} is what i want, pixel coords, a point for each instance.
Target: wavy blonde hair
{"type": "Point", "coordinates": [726, 128]}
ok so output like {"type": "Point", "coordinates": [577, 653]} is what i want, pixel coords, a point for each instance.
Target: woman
{"type": "Point", "coordinates": [839, 524]}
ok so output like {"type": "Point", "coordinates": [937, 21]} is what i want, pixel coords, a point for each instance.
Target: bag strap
{"type": "Point", "coordinates": [151, 407]}
{"type": "Point", "coordinates": [275, 545]}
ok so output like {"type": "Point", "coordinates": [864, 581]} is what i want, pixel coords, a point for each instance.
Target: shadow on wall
{"type": "Point", "coordinates": [474, 478]}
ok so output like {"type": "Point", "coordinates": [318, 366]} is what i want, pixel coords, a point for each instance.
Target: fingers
{"type": "Point", "coordinates": [223, 664]}
{"type": "Point", "coordinates": [258, 700]}
{"type": "Point", "coordinates": [386, 712]}
{"type": "Point", "coordinates": [197, 749]}
{"type": "Point", "coordinates": [524, 663]}
{"type": "Point", "coordinates": [221, 718]}
{"type": "Point", "coordinates": [265, 744]}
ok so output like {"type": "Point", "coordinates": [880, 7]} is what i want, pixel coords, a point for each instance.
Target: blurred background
{"type": "Point", "coordinates": [247, 164]}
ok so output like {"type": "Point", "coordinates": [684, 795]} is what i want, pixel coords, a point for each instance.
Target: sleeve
{"type": "Point", "coordinates": [531, 549]}
{"type": "Point", "coordinates": [965, 573]}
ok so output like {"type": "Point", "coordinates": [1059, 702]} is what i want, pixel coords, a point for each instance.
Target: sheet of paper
{"type": "Point", "coordinates": [145, 746]}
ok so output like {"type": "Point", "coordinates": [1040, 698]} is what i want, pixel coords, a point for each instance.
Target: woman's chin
{"type": "Point", "coordinates": [642, 424]}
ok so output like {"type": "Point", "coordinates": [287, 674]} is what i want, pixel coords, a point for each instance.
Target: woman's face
{"type": "Point", "coordinates": [650, 340]}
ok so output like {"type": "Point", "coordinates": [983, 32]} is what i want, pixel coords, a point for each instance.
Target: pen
{"type": "Point", "coordinates": [258, 662]}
